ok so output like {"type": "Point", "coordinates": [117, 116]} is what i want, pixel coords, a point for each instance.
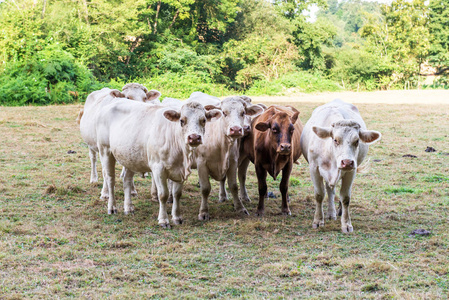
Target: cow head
{"type": "Point", "coordinates": [137, 92]}
{"type": "Point", "coordinates": [117, 94]}
{"type": "Point", "coordinates": [192, 118]}
{"type": "Point", "coordinates": [280, 127]}
{"type": "Point", "coordinates": [235, 116]}
{"type": "Point", "coordinates": [346, 137]}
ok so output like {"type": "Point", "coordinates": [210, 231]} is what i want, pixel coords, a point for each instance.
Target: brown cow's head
{"type": "Point", "coordinates": [280, 127]}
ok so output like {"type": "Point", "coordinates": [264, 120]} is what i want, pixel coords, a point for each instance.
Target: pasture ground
{"type": "Point", "coordinates": [57, 241]}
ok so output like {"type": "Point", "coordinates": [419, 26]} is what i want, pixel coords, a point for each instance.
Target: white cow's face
{"type": "Point", "coordinates": [140, 93]}
{"type": "Point", "coordinates": [346, 137]}
{"type": "Point", "coordinates": [237, 115]}
{"type": "Point", "coordinates": [192, 118]}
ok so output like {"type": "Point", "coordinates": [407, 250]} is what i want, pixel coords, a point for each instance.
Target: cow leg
{"type": "Point", "coordinates": [203, 176]}
{"type": "Point", "coordinates": [154, 196]}
{"type": "Point", "coordinates": [318, 185]}
{"type": "Point", "coordinates": [331, 213]}
{"type": "Point", "coordinates": [93, 166]}
{"type": "Point", "coordinates": [108, 166]}
{"type": "Point", "coordinates": [175, 212]}
{"type": "Point", "coordinates": [243, 168]}
{"type": "Point", "coordinates": [345, 196]}
{"type": "Point", "coordinates": [223, 196]}
{"type": "Point", "coordinates": [234, 188]}
{"type": "Point", "coordinates": [170, 191]}
{"type": "Point", "coordinates": [133, 187]}
{"type": "Point", "coordinates": [262, 183]}
{"type": "Point", "coordinates": [283, 187]}
{"type": "Point", "coordinates": [161, 183]}
{"type": "Point", "coordinates": [128, 186]}
{"type": "Point", "coordinates": [104, 190]}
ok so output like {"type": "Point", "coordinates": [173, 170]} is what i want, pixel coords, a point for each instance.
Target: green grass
{"type": "Point", "coordinates": [57, 241]}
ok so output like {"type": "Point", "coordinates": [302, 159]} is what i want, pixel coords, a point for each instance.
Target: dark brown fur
{"type": "Point", "coordinates": [262, 149]}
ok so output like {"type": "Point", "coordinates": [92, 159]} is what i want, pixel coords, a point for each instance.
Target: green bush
{"type": "Point", "coordinates": [51, 76]}
{"type": "Point", "coordinates": [291, 83]}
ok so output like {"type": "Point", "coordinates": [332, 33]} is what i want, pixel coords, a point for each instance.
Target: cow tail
{"type": "Point", "coordinates": [364, 167]}
{"type": "Point", "coordinates": [80, 115]}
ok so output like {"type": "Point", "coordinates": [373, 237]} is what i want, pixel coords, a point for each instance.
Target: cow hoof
{"type": "Point", "coordinates": [165, 225]}
{"type": "Point", "coordinates": [134, 193]}
{"type": "Point", "coordinates": [347, 229]}
{"type": "Point", "coordinates": [203, 216]}
{"type": "Point", "coordinates": [223, 199]}
{"type": "Point", "coordinates": [246, 199]}
{"type": "Point", "coordinates": [244, 211]}
{"type": "Point", "coordinates": [154, 199]}
{"type": "Point", "coordinates": [317, 225]}
{"type": "Point", "coordinates": [130, 211]}
{"type": "Point", "coordinates": [112, 211]}
{"type": "Point", "coordinates": [286, 213]}
{"type": "Point", "coordinates": [259, 213]}
{"type": "Point", "coordinates": [177, 221]}
{"type": "Point", "coordinates": [332, 217]}
{"type": "Point", "coordinates": [104, 197]}
{"type": "Point", "coordinates": [94, 180]}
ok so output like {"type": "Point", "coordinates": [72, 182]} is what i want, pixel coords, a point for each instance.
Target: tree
{"type": "Point", "coordinates": [439, 31]}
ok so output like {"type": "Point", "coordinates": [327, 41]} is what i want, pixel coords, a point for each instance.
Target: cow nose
{"type": "Point", "coordinates": [236, 131]}
{"type": "Point", "coordinates": [194, 139]}
{"type": "Point", "coordinates": [246, 129]}
{"type": "Point", "coordinates": [347, 164]}
{"type": "Point", "coordinates": [285, 148]}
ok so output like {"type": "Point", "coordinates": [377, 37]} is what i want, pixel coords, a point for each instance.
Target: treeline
{"type": "Point", "coordinates": [59, 51]}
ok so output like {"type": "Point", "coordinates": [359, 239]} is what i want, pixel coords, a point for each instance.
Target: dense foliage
{"type": "Point", "coordinates": [59, 51]}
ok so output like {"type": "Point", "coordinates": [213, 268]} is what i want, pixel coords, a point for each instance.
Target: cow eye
{"type": "Point", "coordinates": [203, 122]}
{"type": "Point", "coordinates": [225, 114]}
{"type": "Point", "coordinates": [242, 114]}
{"type": "Point", "coordinates": [183, 122]}
{"type": "Point", "coordinates": [336, 142]}
{"type": "Point", "coordinates": [356, 144]}
{"type": "Point", "coordinates": [275, 130]}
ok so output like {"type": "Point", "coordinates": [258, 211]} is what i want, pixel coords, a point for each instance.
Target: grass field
{"type": "Point", "coordinates": [57, 241]}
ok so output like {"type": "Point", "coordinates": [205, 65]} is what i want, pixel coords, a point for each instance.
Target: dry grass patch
{"type": "Point", "coordinates": [57, 241]}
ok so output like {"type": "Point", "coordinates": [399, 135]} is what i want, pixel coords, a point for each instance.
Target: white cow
{"type": "Point", "coordinates": [137, 92]}
{"type": "Point", "coordinates": [218, 156]}
{"type": "Point", "coordinates": [94, 104]}
{"type": "Point", "coordinates": [335, 142]}
{"type": "Point", "coordinates": [149, 138]}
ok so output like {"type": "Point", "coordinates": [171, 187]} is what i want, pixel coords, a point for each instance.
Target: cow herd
{"type": "Point", "coordinates": [220, 138]}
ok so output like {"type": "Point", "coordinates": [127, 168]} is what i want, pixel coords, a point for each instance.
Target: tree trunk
{"type": "Point", "coordinates": [86, 16]}
{"type": "Point", "coordinates": [174, 19]}
{"type": "Point", "coordinates": [157, 14]}
{"type": "Point", "coordinates": [43, 9]}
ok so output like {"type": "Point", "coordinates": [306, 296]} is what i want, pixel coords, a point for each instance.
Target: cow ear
{"type": "Point", "coordinates": [263, 106]}
{"type": "Point", "coordinates": [172, 115]}
{"type": "Point", "coordinates": [213, 114]}
{"type": "Point", "coordinates": [253, 110]}
{"type": "Point", "coordinates": [369, 136]}
{"type": "Point", "coordinates": [263, 126]}
{"type": "Point", "coordinates": [210, 107]}
{"type": "Point", "coordinates": [117, 94]}
{"type": "Point", "coordinates": [322, 132]}
{"type": "Point", "coordinates": [295, 117]}
{"type": "Point", "coordinates": [246, 99]}
{"type": "Point", "coordinates": [153, 94]}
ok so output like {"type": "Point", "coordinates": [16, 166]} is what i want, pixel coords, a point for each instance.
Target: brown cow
{"type": "Point", "coordinates": [272, 145]}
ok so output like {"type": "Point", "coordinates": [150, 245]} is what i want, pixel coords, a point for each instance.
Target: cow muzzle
{"type": "Point", "coordinates": [347, 164]}
{"type": "Point", "coordinates": [246, 129]}
{"type": "Point", "coordinates": [194, 140]}
{"type": "Point", "coordinates": [284, 149]}
{"type": "Point", "coordinates": [236, 131]}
